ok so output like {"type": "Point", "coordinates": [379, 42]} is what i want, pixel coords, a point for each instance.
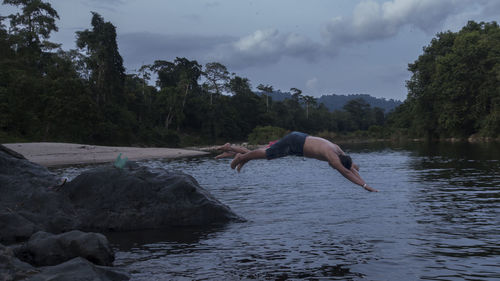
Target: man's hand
{"type": "Point", "coordinates": [371, 189]}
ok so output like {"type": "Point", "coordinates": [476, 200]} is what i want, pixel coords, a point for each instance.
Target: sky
{"type": "Point", "coordinates": [319, 46]}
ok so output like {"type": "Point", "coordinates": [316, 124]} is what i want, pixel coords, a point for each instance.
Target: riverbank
{"type": "Point", "coordinates": [50, 154]}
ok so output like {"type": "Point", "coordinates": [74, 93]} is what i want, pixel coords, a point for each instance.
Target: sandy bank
{"type": "Point", "coordinates": [58, 154]}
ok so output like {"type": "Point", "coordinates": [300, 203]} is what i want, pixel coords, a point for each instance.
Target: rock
{"type": "Point", "coordinates": [25, 195]}
{"type": "Point", "coordinates": [12, 268]}
{"type": "Point", "coordinates": [11, 152]}
{"type": "Point", "coordinates": [48, 249]}
{"type": "Point", "coordinates": [107, 198]}
{"type": "Point", "coordinates": [79, 269]}
{"type": "Point", "coordinates": [15, 228]}
{"type": "Point", "coordinates": [18, 172]}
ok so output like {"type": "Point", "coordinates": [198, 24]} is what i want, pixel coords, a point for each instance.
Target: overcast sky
{"type": "Point", "coordinates": [319, 46]}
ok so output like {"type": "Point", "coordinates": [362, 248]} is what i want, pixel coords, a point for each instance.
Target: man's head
{"type": "Point", "coordinates": [346, 161]}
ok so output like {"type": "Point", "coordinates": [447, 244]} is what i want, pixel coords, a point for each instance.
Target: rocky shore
{"type": "Point", "coordinates": [50, 231]}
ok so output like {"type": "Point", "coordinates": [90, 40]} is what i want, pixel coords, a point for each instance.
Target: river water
{"type": "Point", "coordinates": [436, 217]}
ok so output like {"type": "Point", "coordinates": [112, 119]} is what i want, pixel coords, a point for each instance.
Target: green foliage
{"type": "Point", "coordinates": [33, 25]}
{"type": "Point", "coordinates": [265, 134]}
{"type": "Point", "coordinates": [163, 137]}
{"type": "Point", "coordinates": [103, 61]}
{"type": "Point", "coordinates": [84, 95]}
{"type": "Point", "coordinates": [454, 88]}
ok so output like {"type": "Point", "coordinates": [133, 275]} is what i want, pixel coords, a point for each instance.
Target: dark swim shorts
{"type": "Point", "coordinates": [291, 144]}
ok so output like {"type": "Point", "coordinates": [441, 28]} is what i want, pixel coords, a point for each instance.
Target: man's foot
{"type": "Point", "coordinates": [225, 155]}
{"type": "Point", "coordinates": [225, 147]}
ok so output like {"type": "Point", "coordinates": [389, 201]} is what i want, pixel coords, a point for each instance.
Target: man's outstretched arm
{"type": "Point", "coordinates": [365, 186]}
{"type": "Point", "coordinates": [352, 175]}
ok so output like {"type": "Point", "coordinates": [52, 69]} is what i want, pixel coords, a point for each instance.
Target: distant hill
{"type": "Point", "coordinates": [334, 102]}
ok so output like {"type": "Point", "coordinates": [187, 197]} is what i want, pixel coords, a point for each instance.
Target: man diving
{"type": "Point", "coordinates": [299, 144]}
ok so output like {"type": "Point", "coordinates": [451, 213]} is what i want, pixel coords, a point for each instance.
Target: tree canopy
{"type": "Point", "coordinates": [85, 94]}
{"type": "Point", "coordinates": [455, 87]}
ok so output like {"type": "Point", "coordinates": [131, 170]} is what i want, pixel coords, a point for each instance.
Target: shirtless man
{"type": "Point", "coordinates": [301, 144]}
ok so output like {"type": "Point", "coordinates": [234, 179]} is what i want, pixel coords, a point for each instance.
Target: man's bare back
{"type": "Point", "coordinates": [321, 149]}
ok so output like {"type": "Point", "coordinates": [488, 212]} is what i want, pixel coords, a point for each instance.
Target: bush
{"type": "Point", "coordinates": [491, 125]}
{"type": "Point", "coordinates": [263, 135]}
{"type": "Point", "coordinates": [164, 137]}
{"type": "Point", "coordinates": [5, 137]}
{"type": "Point", "coordinates": [331, 136]}
{"type": "Point", "coordinates": [377, 131]}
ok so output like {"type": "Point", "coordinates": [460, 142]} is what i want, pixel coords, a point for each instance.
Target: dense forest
{"type": "Point", "coordinates": [455, 87]}
{"type": "Point", "coordinates": [85, 95]}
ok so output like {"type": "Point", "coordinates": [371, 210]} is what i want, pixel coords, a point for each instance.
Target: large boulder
{"type": "Point", "coordinates": [26, 197]}
{"type": "Point", "coordinates": [12, 268]}
{"type": "Point", "coordinates": [105, 198]}
{"type": "Point", "coordinates": [45, 249]}
{"type": "Point", "coordinates": [108, 198]}
{"type": "Point", "coordinates": [79, 269]}
{"type": "Point", "coordinates": [15, 228]}
{"type": "Point", "coordinates": [29, 203]}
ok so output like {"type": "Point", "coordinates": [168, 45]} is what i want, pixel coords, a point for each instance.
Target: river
{"type": "Point", "coordinates": [436, 217]}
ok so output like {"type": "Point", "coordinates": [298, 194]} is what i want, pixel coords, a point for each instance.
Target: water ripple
{"type": "Point", "coordinates": [436, 218]}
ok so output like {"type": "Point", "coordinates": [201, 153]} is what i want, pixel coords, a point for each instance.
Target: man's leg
{"type": "Point", "coordinates": [242, 159]}
{"type": "Point", "coordinates": [230, 150]}
{"type": "Point", "coordinates": [225, 154]}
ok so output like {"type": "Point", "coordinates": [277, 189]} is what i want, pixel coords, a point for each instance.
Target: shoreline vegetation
{"type": "Point", "coordinates": [85, 95]}
{"type": "Point", "coordinates": [51, 154]}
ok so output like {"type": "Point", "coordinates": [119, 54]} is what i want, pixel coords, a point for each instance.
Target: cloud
{"type": "Point", "coordinates": [312, 84]}
{"type": "Point", "coordinates": [266, 46]}
{"type": "Point", "coordinates": [374, 21]}
{"type": "Point", "coordinates": [489, 7]}
{"type": "Point", "coordinates": [369, 21]}
{"type": "Point", "coordinates": [259, 48]}
{"type": "Point", "coordinates": [144, 47]}
{"type": "Point", "coordinates": [212, 4]}
{"type": "Point", "coordinates": [110, 5]}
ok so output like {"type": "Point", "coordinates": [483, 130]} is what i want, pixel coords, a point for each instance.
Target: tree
{"type": "Point", "coordinates": [176, 80]}
{"type": "Point", "coordinates": [296, 94]}
{"type": "Point", "coordinates": [34, 24]}
{"type": "Point", "coordinates": [378, 116]}
{"type": "Point", "coordinates": [6, 55]}
{"type": "Point", "coordinates": [25, 65]}
{"type": "Point", "coordinates": [145, 75]}
{"type": "Point", "coordinates": [246, 104]}
{"type": "Point", "coordinates": [217, 76]}
{"type": "Point", "coordinates": [104, 60]}
{"type": "Point", "coordinates": [267, 89]}
{"type": "Point", "coordinates": [308, 100]}
{"type": "Point", "coordinates": [358, 110]}
{"type": "Point", "coordinates": [453, 90]}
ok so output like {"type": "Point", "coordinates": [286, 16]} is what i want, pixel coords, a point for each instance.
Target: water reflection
{"type": "Point", "coordinates": [458, 205]}
{"type": "Point", "coordinates": [127, 240]}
